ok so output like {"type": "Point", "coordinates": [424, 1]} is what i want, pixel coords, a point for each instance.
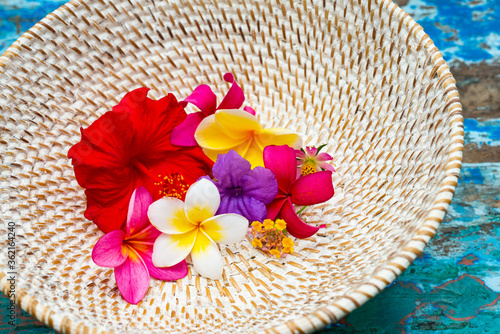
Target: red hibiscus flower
{"type": "Point", "coordinates": [130, 147]}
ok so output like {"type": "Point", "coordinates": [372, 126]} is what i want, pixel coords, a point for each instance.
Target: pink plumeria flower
{"type": "Point", "coordinates": [130, 249]}
{"type": "Point", "coordinates": [310, 161]}
{"type": "Point", "coordinates": [203, 98]}
{"type": "Point", "coordinates": [191, 227]}
{"type": "Point", "coordinates": [306, 190]}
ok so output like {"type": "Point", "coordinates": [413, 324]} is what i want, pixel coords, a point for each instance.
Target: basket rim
{"type": "Point", "coordinates": [353, 299]}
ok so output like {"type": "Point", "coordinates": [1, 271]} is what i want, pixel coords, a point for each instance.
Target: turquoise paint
{"type": "Point", "coordinates": [25, 13]}
{"type": "Point", "coordinates": [446, 23]}
{"type": "Point", "coordinates": [482, 132]}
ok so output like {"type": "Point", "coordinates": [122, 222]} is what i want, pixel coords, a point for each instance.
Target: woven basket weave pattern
{"type": "Point", "coordinates": [360, 76]}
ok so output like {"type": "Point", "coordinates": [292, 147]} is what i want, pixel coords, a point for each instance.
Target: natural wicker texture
{"type": "Point", "coordinates": [359, 75]}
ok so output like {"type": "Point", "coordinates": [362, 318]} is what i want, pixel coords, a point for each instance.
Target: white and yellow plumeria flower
{"type": "Point", "coordinates": [238, 130]}
{"type": "Point", "coordinates": [190, 227]}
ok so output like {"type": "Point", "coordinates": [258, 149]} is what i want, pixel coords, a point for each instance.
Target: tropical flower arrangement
{"type": "Point", "coordinates": [165, 187]}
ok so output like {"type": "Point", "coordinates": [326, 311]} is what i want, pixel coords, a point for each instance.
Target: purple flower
{"type": "Point", "coordinates": [243, 190]}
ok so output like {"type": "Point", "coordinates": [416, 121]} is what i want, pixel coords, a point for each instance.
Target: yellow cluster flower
{"type": "Point", "coordinates": [270, 236]}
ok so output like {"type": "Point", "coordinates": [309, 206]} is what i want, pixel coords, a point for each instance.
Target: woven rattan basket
{"type": "Point", "coordinates": [359, 75]}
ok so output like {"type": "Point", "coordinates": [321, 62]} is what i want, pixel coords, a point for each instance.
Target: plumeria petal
{"type": "Point", "coordinates": [237, 123]}
{"type": "Point", "coordinates": [167, 215]}
{"type": "Point", "coordinates": [137, 218]}
{"type": "Point", "coordinates": [274, 208]}
{"type": "Point", "coordinates": [209, 135]}
{"type": "Point", "coordinates": [281, 161]}
{"type": "Point", "coordinates": [108, 251]}
{"type": "Point", "coordinates": [183, 134]}
{"type": "Point", "coordinates": [206, 257]}
{"type": "Point", "coordinates": [254, 155]}
{"type": "Point", "coordinates": [294, 225]}
{"type": "Point", "coordinates": [170, 249]}
{"type": "Point", "coordinates": [234, 97]}
{"type": "Point", "coordinates": [277, 136]}
{"type": "Point", "coordinates": [172, 273]}
{"type": "Point", "coordinates": [202, 201]}
{"type": "Point", "coordinates": [204, 99]}
{"type": "Point", "coordinates": [132, 278]}
{"type": "Point", "coordinates": [249, 110]}
{"type": "Point", "coordinates": [312, 189]}
{"type": "Point", "coordinates": [227, 229]}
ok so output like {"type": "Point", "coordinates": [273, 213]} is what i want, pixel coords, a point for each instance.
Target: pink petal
{"type": "Point", "coordinates": [323, 157]}
{"type": "Point", "coordinates": [234, 97]}
{"type": "Point", "coordinates": [294, 225]}
{"type": "Point", "coordinates": [137, 216]}
{"type": "Point", "coordinates": [281, 161]}
{"type": "Point", "coordinates": [173, 273]}
{"type": "Point", "coordinates": [203, 98]}
{"type": "Point", "coordinates": [326, 165]}
{"type": "Point", "coordinates": [108, 251]}
{"type": "Point", "coordinates": [312, 189]}
{"type": "Point", "coordinates": [299, 154]}
{"type": "Point", "coordinates": [274, 208]}
{"type": "Point", "coordinates": [311, 151]}
{"type": "Point", "coordinates": [132, 278]}
{"type": "Point", "coordinates": [249, 110]}
{"type": "Point", "coordinates": [183, 134]}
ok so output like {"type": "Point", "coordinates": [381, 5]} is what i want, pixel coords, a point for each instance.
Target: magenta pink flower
{"type": "Point", "coordinates": [310, 160]}
{"type": "Point", "coordinates": [130, 251]}
{"type": "Point", "coordinates": [206, 101]}
{"type": "Point", "coordinates": [306, 190]}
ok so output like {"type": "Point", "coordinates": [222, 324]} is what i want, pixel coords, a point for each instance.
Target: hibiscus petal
{"type": "Point", "coordinates": [294, 225]}
{"type": "Point", "coordinates": [274, 208]}
{"type": "Point", "coordinates": [132, 278]}
{"type": "Point", "coordinates": [249, 110]}
{"type": "Point", "coordinates": [234, 97]}
{"type": "Point", "coordinates": [260, 183]}
{"type": "Point", "coordinates": [229, 169]}
{"type": "Point", "coordinates": [312, 189]}
{"type": "Point", "coordinates": [183, 134]}
{"type": "Point", "coordinates": [167, 215]}
{"type": "Point", "coordinates": [206, 257]}
{"type": "Point", "coordinates": [170, 249]}
{"type": "Point", "coordinates": [281, 161]}
{"type": "Point", "coordinates": [277, 136]}
{"type": "Point", "coordinates": [227, 228]}
{"type": "Point", "coordinates": [108, 218]}
{"type": "Point", "coordinates": [202, 201]}
{"type": "Point", "coordinates": [209, 135]}
{"type": "Point", "coordinates": [237, 123]}
{"type": "Point", "coordinates": [172, 273]}
{"type": "Point", "coordinates": [112, 132]}
{"type": "Point", "coordinates": [108, 251]}
{"type": "Point", "coordinates": [203, 97]}
{"type": "Point", "coordinates": [137, 218]}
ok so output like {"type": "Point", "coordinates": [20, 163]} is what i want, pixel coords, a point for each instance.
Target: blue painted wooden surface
{"type": "Point", "coordinates": [454, 287]}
